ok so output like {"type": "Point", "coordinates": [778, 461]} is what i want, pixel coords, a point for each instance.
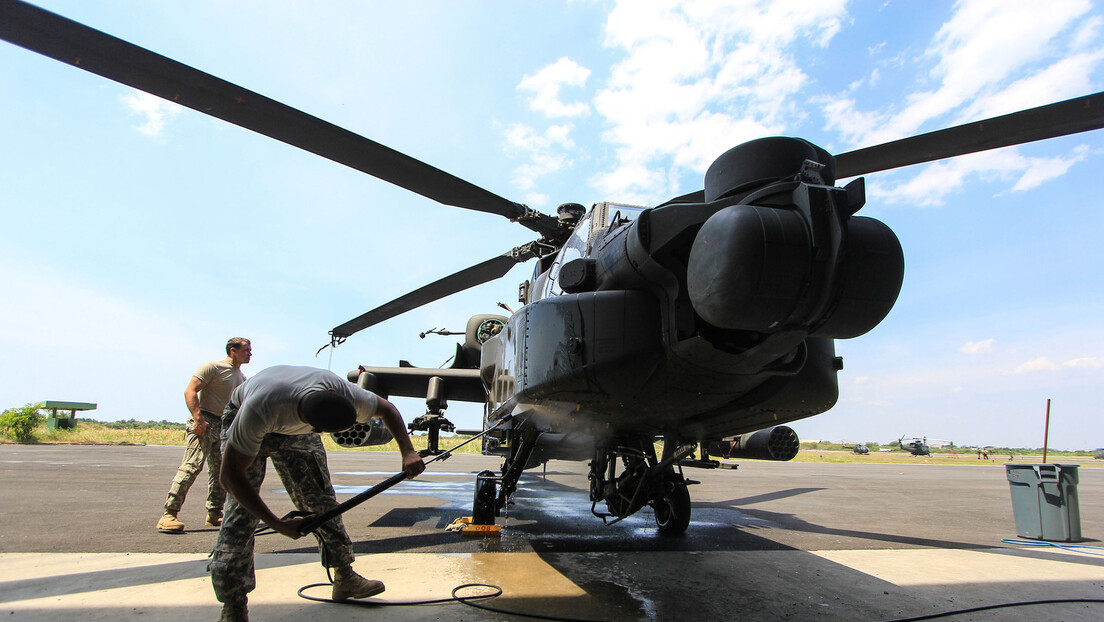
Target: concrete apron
{"type": "Point", "coordinates": [843, 585]}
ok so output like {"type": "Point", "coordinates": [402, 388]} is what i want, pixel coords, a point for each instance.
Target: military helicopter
{"type": "Point", "coordinates": [859, 449]}
{"type": "Point", "coordinates": [920, 445]}
{"type": "Point", "coordinates": [706, 322]}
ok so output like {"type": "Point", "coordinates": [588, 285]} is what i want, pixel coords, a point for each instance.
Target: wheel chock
{"type": "Point", "coordinates": [481, 530]}
{"type": "Point", "coordinates": [465, 526]}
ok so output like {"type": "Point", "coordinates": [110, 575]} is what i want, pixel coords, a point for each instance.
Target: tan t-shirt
{"type": "Point", "coordinates": [220, 378]}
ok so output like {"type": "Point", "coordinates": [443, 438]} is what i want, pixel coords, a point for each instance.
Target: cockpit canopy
{"type": "Point", "coordinates": [601, 217]}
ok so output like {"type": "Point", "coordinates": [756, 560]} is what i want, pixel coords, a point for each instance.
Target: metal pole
{"type": "Point", "coordinates": [1046, 431]}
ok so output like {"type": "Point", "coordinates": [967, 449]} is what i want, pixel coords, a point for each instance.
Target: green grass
{"type": "Point", "coordinates": [169, 433]}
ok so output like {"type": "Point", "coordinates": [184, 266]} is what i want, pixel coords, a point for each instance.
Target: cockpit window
{"type": "Point", "coordinates": [620, 214]}
{"type": "Point", "coordinates": [597, 221]}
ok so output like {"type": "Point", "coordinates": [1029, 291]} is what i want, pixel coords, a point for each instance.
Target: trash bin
{"type": "Point", "coordinates": [1044, 501]}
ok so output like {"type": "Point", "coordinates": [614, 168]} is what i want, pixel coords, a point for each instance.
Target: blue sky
{"type": "Point", "coordinates": [138, 236]}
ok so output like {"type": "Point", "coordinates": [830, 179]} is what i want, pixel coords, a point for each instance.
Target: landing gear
{"type": "Point", "coordinates": [483, 507]}
{"type": "Point", "coordinates": [492, 492]}
{"type": "Point", "coordinates": [625, 474]}
{"type": "Point", "coordinates": [433, 422]}
{"type": "Point", "coordinates": [641, 480]}
{"type": "Point", "coordinates": [672, 510]}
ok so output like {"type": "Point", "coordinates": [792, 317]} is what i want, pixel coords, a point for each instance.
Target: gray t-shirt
{"type": "Point", "coordinates": [268, 403]}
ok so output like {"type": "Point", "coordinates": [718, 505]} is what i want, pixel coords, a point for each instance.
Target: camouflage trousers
{"type": "Point", "coordinates": [200, 449]}
{"type": "Point", "coordinates": [300, 461]}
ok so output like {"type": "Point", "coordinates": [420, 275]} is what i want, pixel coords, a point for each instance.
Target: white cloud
{"type": "Point", "coordinates": [1087, 362]}
{"type": "Point", "coordinates": [1038, 170]}
{"type": "Point", "coordinates": [696, 79]}
{"type": "Point", "coordinates": [977, 347]}
{"type": "Point", "coordinates": [537, 199]}
{"type": "Point", "coordinates": [1037, 364]}
{"type": "Point", "coordinates": [546, 83]}
{"type": "Point", "coordinates": [545, 153]}
{"type": "Point", "coordinates": [155, 112]}
{"type": "Point", "coordinates": [936, 181]}
{"type": "Point", "coordinates": [986, 41]}
{"type": "Point", "coordinates": [1066, 78]}
{"type": "Point", "coordinates": [526, 175]}
{"type": "Point", "coordinates": [992, 57]}
{"type": "Point", "coordinates": [526, 138]}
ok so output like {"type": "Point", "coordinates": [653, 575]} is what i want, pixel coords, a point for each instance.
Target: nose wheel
{"type": "Point", "coordinates": [672, 510]}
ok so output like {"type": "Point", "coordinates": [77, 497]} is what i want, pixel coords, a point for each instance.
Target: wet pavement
{"type": "Point", "coordinates": [768, 541]}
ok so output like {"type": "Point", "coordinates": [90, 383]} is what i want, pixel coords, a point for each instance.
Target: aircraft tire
{"type": "Point", "coordinates": [672, 512]}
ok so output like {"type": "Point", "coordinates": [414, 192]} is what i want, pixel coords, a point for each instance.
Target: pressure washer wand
{"type": "Point", "coordinates": [316, 522]}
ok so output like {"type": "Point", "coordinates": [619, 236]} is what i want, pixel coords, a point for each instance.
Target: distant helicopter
{"type": "Point", "coordinates": [858, 449]}
{"type": "Point", "coordinates": [705, 322]}
{"type": "Point", "coordinates": [920, 445]}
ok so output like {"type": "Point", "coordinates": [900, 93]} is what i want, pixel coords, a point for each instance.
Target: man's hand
{"type": "Point", "coordinates": [290, 527]}
{"type": "Point", "coordinates": [235, 480]}
{"type": "Point", "coordinates": [412, 464]}
{"type": "Point", "coordinates": [191, 400]}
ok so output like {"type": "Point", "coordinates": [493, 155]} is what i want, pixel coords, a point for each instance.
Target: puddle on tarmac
{"type": "Point", "coordinates": [619, 600]}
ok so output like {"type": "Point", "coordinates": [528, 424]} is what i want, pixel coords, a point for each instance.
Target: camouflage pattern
{"type": "Point", "coordinates": [206, 448]}
{"type": "Point", "coordinates": [300, 461]}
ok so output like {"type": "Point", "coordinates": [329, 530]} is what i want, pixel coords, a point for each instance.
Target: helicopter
{"type": "Point", "coordinates": [920, 445]}
{"type": "Point", "coordinates": [859, 449]}
{"type": "Point", "coordinates": [705, 323]}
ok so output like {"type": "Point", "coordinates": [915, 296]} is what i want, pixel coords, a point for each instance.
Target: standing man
{"type": "Point", "coordinates": [206, 396]}
{"type": "Point", "coordinates": [279, 414]}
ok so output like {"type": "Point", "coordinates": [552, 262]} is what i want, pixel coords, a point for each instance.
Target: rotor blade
{"type": "Point", "coordinates": [94, 51]}
{"type": "Point", "coordinates": [1072, 116]}
{"type": "Point", "coordinates": [470, 277]}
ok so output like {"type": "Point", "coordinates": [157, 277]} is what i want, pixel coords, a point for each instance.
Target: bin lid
{"type": "Point", "coordinates": [1028, 473]}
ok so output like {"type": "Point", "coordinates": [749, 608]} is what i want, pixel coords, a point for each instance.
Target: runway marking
{"type": "Point", "coordinates": [390, 473]}
{"type": "Point", "coordinates": [82, 465]}
{"type": "Point", "coordinates": [61, 586]}
{"type": "Point", "coordinates": [920, 567]}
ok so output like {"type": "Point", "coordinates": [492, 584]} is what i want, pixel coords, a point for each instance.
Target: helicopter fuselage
{"type": "Point", "coordinates": [699, 319]}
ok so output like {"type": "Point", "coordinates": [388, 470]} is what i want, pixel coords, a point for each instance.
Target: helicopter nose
{"type": "Point", "coordinates": [755, 268]}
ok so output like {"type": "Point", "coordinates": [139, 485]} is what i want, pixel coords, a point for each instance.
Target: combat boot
{"type": "Point", "coordinates": [214, 518]}
{"type": "Point", "coordinates": [235, 611]}
{"type": "Point", "coordinates": [170, 524]}
{"type": "Point", "coordinates": [348, 584]}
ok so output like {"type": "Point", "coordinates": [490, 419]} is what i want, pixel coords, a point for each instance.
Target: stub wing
{"type": "Point", "coordinates": [453, 384]}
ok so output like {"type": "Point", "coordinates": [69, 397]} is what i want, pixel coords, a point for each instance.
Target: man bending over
{"type": "Point", "coordinates": [278, 414]}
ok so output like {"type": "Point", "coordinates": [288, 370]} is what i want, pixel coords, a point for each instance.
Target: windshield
{"type": "Point", "coordinates": [620, 214]}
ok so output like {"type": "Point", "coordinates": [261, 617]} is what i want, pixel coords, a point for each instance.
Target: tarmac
{"type": "Point", "coordinates": [770, 541]}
